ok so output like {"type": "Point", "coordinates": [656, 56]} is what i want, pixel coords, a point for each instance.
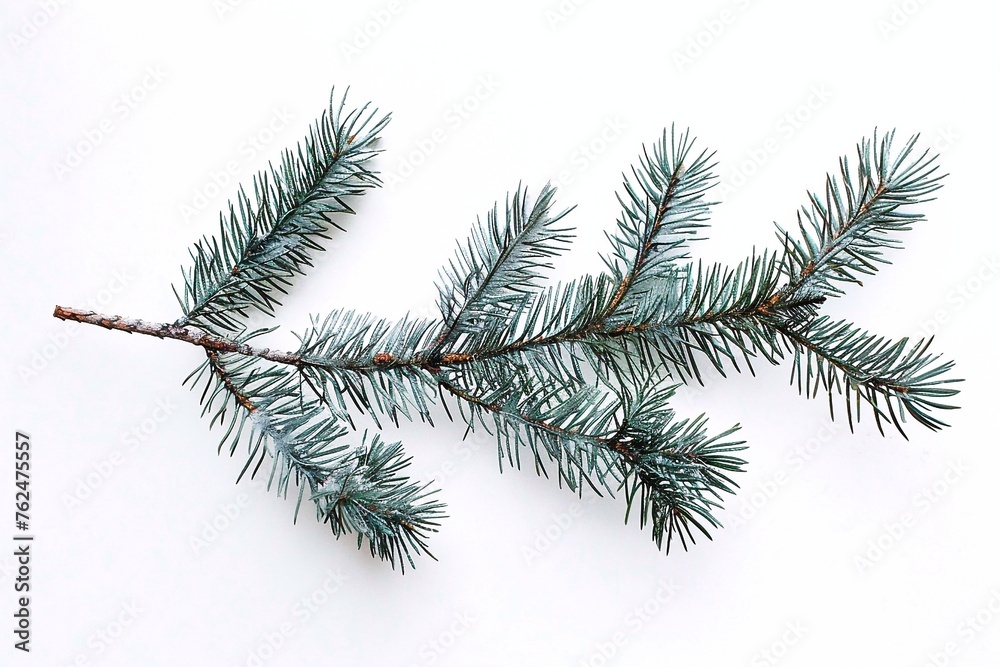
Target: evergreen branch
{"type": "Point", "coordinates": [726, 315]}
{"type": "Point", "coordinates": [845, 230]}
{"type": "Point", "coordinates": [677, 471]}
{"type": "Point", "coordinates": [678, 477]}
{"type": "Point", "coordinates": [492, 275]}
{"type": "Point", "coordinates": [370, 497]}
{"type": "Point", "coordinates": [663, 207]}
{"type": "Point", "coordinates": [356, 491]}
{"type": "Point", "coordinates": [377, 382]}
{"type": "Point", "coordinates": [264, 242]}
{"type": "Point", "coordinates": [896, 379]}
{"type": "Point", "coordinates": [559, 424]}
{"type": "Point", "coordinates": [372, 361]}
{"type": "Point", "coordinates": [567, 424]}
{"type": "Point", "coordinates": [578, 374]}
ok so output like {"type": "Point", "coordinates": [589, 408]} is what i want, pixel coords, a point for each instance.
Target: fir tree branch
{"type": "Point", "coordinates": [492, 276]}
{"type": "Point", "coordinates": [841, 359]}
{"type": "Point", "coordinates": [845, 230]}
{"type": "Point", "coordinates": [579, 374]}
{"type": "Point", "coordinates": [358, 490]}
{"type": "Point", "coordinates": [662, 208]}
{"type": "Point", "coordinates": [371, 497]}
{"type": "Point", "coordinates": [557, 423]}
{"type": "Point", "coordinates": [263, 243]}
{"type": "Point", "coordinates": [576, 434]}
{"type": "Point", "coordinates": [675, 469]}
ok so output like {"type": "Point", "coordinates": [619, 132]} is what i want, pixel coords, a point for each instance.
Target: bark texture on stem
{"type": "Point", "coordinates": [187, 334]}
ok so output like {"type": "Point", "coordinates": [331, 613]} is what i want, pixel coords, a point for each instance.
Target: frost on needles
{"type": "Point", "coordinates": [575, 378]}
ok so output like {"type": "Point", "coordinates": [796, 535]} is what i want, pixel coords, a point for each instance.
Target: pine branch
{"type": "Point", "coordinates": [264, 242]}
{"type": "Point", "coordinates": [845, 230]}
{"type": "Point", "coordinates": [564, 425]}
{"type": "Point", "coordinates": [491, 278]}
{"type": "Point", "coordinates": [676, 469]}
{"type": "Point", "coordinates": [576, 376]}
{"type": "Point", "coordinates": [371, 361]}
{"type": "Point", "coordinates": [727, 316]}
{"type": "Point", "coordinates": [663, 207]}
{"type": "Point", "coordinates": [356, 490]}
{"type": "Point", "coordinates": [895, 379]}
{"type": "Point", "coordinates": [370, 497]}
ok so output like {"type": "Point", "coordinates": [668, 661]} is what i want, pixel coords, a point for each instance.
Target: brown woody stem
{"type": "Point", "coordinates": [187, 334]}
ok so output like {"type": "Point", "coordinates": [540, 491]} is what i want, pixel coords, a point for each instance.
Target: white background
{"type": "Point", "coordinates": [833, 551]}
